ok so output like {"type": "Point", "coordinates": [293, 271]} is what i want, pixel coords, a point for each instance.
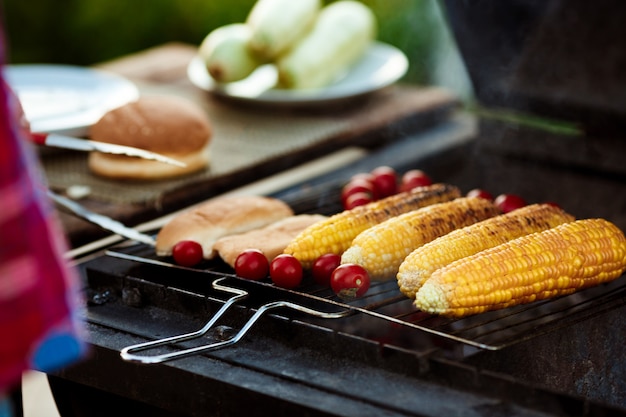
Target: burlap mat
{"type": "Point", "coordinates": [261, 139]}
{"type": "Point", "coordinates": [247, 138]}
{"type": "Point", "coordinates": [240, 140]}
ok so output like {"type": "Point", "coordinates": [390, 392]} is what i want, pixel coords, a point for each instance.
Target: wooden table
{"type": "Point", "coordinates": [250, 142]}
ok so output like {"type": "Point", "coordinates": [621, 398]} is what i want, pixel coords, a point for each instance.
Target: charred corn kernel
{"type": "Point", "coordinates": [545, 264]}
{"type": "Point", "coordinates": [382, 248]}
{"type": "Point", "coordinates": [335, 234]}
{"type": "Point", "coordinates": [422, 262]}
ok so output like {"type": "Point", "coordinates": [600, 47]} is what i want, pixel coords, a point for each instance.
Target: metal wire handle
{"type": "Point", "coordinates": [128, 353]}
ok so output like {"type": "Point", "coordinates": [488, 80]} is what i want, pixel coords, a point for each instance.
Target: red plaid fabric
{"type": "Point", "coordinates": [38, 289]}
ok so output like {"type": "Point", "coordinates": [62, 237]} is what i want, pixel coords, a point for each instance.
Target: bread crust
{"type": "Point", "coordinates": [163, 124]}
{"type": "Point", "coordinates": [219, 217]}
{"type": "Point", "coordinates": [271, 239]}
{"type": "Point", "coordinates": [168, 125]}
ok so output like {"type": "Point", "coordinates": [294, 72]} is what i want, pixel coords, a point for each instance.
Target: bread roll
{"type": "Point", "coordinates": [271, 239]}
{"type": "Point", "coordinates": [223, 216]}
{"type": "Point", "coordinates": [171, 126]}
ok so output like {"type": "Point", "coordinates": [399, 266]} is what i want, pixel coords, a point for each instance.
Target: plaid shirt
{"type": "Point", "coordinates": [38, 290]}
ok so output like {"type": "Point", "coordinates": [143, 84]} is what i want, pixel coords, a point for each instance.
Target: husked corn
{"type": "Point", "coordinates": [382, 248]}
{"type": "Point", "coordinates": [546, 264]}
{"type": "Point", "coordinates": [425, 260]}
{"type": "Point", "coordinates": [335, 234]}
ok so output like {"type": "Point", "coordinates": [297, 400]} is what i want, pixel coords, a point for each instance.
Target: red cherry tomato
{"type": "Point", "coordinates": [187, 253]}
{"type": "Point", "coordinates": [357, 185]}
{"type": "Point", "coordinates": [350, 281]}
{"type": "Point", "coordinates": [414, 178]}
{"type": "Point", "coordinates": [323, 268]}
{"type": "Point", "coordinates": [385, 182]}
{"type": "Point", "coordinates": [357, 199]}
{"type": "Point", "coordinates": [252, 264]}
{"type": "Point", "coordinates": [478, 192]}
{"type": "Point", "coordinates": [286, 271]}
{"type": "Point", "coordinates": [509, 202]}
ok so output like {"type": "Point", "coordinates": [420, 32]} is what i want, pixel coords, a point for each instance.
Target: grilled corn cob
{"type": "Point", "coordinates": [382, 248]}
{"type": "Point", "coordinates": [422, 262]}
{"type": "Point", "coordinates": [335, 234]}
{"type": "Point", "coordinates": [541, 265]}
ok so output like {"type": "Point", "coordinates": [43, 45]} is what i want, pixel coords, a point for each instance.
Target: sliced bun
{"type": "Point", "coordinates": [171, 126]}
{"type": "Point", "coordinates": [223, 216]}
{"type": "Point", "coordinates": [124, 167]}
{"type": "Point", "coordinates": [271, 239]}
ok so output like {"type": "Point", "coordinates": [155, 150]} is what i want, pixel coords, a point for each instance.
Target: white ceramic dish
{"type": "Point", "coordinates": [381, 66]}
{"type": "Point", "coordinates": [67, 99]}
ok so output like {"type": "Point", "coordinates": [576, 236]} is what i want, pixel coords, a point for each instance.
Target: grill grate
{"type": "Point", "coordinates": [385, 305]}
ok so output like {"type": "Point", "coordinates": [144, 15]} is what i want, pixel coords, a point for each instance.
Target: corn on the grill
{"type": "Point", "coordinates": [422, 262]}
{"type": "Point", "coordinates": [335, 234]}
{"type": "Point", "coordinates": [541, 265]}
{"type": "Point", "coordinates": [382, 248]}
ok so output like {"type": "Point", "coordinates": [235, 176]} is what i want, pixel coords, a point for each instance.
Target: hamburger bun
{"type": "Point", "coordinates": [219, 217]}
{"type": "Point", "coordinates": [271, 239]}
{"type": "Point", "coordinates": [170, 126]}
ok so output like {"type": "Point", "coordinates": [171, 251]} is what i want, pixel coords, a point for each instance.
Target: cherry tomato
{"type": "Point", "coordinates": [478, 192]}
{"type": "Point", "coordinates": [357, 199]}
{"type": "Point", "coordinates": [357, 185]}
{"type": "Point", "coordinates": [350, 281]}
{"type": "Point", "coordinates": [286, 271]}
{"type": "Point", "coordinates": [414, 178]}
{"type": "Point", "coordinates": [187, 253]}
{"type": "Point", "coordinates": [323, 268]}
{"type": "Point", "coordinates": [252, 264]}
{"type": "Point", "coordinates": [385, 182]}
{"type": "Point", "coordinates": [509, 202]}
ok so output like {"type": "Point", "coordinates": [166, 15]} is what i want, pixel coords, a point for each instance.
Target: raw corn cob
{"type": "Point", "coordinates": [335, 234]}
{"type": "Point", "coordinates": [546, 264]}
{"type": "Point", "coordinates": [422, 262]}
{"type": "Point", "coordinates": [340, 36]}
{"type": "Point", "coordinates": [278, 25]}
{"type": "Point", "coordinates": [226, 55]}
{"type": "Point", "coordinates": [382, 248]}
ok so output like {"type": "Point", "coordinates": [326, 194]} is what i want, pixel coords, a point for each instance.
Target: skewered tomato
{"type": "Point", "coordinates": [385, 181]}
{"type": "Point", "coordinates": [252, 264]}
{"type": "Point", "coordinates": [414, 178]}
{"type": "Point", "coordinates": [323, 268]}
{"type": "Point", "coordinates": [286, 271]}
{"type": "Point", "coordinates": [478, 192]}
{"type": "Point", "coordinates": [509, 202]}
{"type": "Point", "coordinates": [350, 281]}
{"type": "Point", "coordinates": [187, 253]}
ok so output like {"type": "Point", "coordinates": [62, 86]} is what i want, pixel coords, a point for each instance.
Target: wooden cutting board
{"type": "Point", "coordinates": [249, 141]}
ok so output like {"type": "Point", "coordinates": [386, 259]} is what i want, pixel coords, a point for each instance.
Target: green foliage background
{"type": "Point", "coordinates": [85, 32]}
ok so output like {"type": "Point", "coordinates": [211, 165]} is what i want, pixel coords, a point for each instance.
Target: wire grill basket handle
{"type": "Point", "coordinates": [130, 353]}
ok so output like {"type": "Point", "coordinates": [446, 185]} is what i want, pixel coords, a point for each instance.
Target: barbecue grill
{"type": "Point", "coordinates": [169, 340]}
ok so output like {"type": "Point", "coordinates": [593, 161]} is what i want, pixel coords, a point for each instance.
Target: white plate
{"type": "Point", "coordinates": [381, 66]}
{"type": "Point", "coordinates": [67, 99]}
